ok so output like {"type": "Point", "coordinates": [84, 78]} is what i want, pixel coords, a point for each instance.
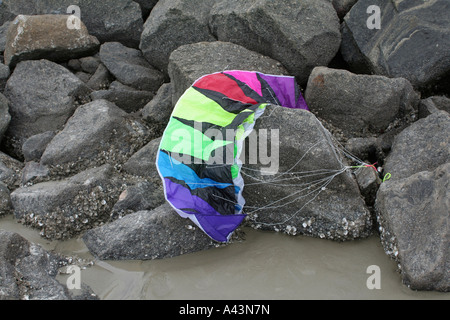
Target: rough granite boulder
{"type": "Point", "coordinates": [304, 185]}
{"type": "Point", "coordinates": [65, 208]}
{"type": "Point", "coordinates": [360, 105]}
{"type": "Point", "coordinates": [129, 67]}
{"type": "Point", "coordinates": [299, 34]}
{"type": "Point", "coordinates": [423, 146]}
{"type": "Point", "coordinates": [47, 37]}
{"type": "Point", "coordinates": [98, 132]}
{"type": "Point", "coordinates": [412, 41]}
{"type": "Point", "coordinates": [190, 62]}
{"type": "Point", "coordinates": [414, 227]}
{"type": "Point", "coordinates": [171, 24]}
{"type": "Point", "coordinates": [119, 20]}
{"type": "Point", "coordinates": [42, 96]}
{"type": "Point", "coordinates": [147, 235]}
{"type": "Point", "coordinates": [28, 272]}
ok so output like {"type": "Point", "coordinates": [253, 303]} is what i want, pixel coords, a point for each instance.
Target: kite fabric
{"type": "Point", "coordinates": [198, 157]}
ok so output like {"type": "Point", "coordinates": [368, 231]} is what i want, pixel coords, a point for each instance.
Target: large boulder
{"type": "Point", "coordinates": [65, 208]}
{"type": "Point", "coordinates": [173, 23]}
{"type": "Point", "coordinates": [190, 62]}
{"type": "Point", "coordinates": [129, 67]}
{"type": "Point", "coordinates": [47, 36]}
{"type": "Point", "coordinates": [360, 105]}
{"type": "Point", "coordinates": [42, 96]}
{"type": "Point", "coordinates": [409, 31]}
{"type": "Point", "coordinates": [304, 186]}
{"type": "Point", "coordinates": [98, 132]}
{"type": "Point", "coordinates": [28, 272]}
{"type": "Point", "coordinates": [119, 20]}
{"type": "Point", "coordinates": [145, 235]}
{"type": "Point", "coordinates": [423, 146]}
{"type": "Point", "coordinates": [413, 217]}
{"type": "Point", "coordinates": [299, 34]}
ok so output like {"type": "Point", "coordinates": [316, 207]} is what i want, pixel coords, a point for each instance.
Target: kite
{"type": "Point", "coordinates": [199, 154]}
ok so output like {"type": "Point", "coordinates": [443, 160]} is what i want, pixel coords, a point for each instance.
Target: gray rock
{"type": "Point", "coordinates": [432, 105]}
{"type": "Point", "coordinates": [190, 62]}
{"type": "Point", "coordinates": [360, 105]}
{"type": "Point", "coordinates": [368, 181]}
{"type": "Point", "coordinates": [410, 31]}
{"type": "Point", "coordinates": [98, 132]}
{"type": "Point", "coordinates": [157, 112]}
{"type": "Point", "coordinates": [89, 64]}
{"type": "Point", "coordinates": [413, 218]}
{"type": "Point", "coordinates": [309, 190]}
{"type": "Point", "coordinates": [146, 6]}
{"type": "Point", "coordinates": [4, 75]}
{"type": "Point", "coordinates": [181, 21]}
{"type": "Point", "coordinates": [5, 117]}
{"type": "Point", "coordinates": [145, 235]}
{"type": "Point", "coordinates": [28, 272]}
{"type": "Point", "coordinates": [10, 171]}
{"type": "Point", "coordinates": [46, 37]}
{"type": "Point", "coordinates": [125, 97]}
{"type": "Point", "coordinates": [143, 162]}
{"type": "Point", "coordinates": [120, 20]}
{"type": "Point", "coordinates": [34, 171]}
{"type": "Point", "coordinates": [423, 146]}
{"type": "Point", "coordinates": [342, 7]}
{"type": "Point", "coordinates": [144, 195]}
{"type": "Point", "coordinates": [65, 208]}
{"type": "Point", "coordinates": [101, 79]}
{"type": "Point", "coordinates": [34, 146]}
{"type": "Point", "coordinates": [42, 96]}
{"type": "Point", "coordinates": [130, 67]}
{"type": "Point", "coordinates": [3, 30]}
{"type": "Point", "coordinates": [299, 34]}
{"type": "Point", "coordinates": [5, 200]}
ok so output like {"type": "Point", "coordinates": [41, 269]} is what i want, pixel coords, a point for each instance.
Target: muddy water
{"type": "Point", "coordinates": [266, 266]}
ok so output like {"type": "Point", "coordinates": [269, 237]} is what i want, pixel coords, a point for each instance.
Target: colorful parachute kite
{"type": "Point", "coordinates": [198, 158]}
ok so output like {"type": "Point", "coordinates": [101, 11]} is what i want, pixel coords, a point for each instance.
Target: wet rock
{"type": "Point", "coordinates": [34, 146]}
{"type": "Point", "coordinates": [65, 208]}
{"type": "Point", "coordinates": [130, 67]}
{"type": "Point", "coordinates": [5, 117]}
{"type": "Point", "coordinates": [5, 200]}
{"type": "Point", "coordinates": [157, 112]}
{"type": "Point", "coordinates": [98, 132]}
{"type": "Point", "coordinates": [143, 162]}
{"type": "Point", "coordinates": [47, 36]}
{"type": "Point", "coordinates": [303, 186]}
{"type": "Point", "coordinates": [120, 20]}
{"type": "Point", "coordinates": [28, 272]}
{"type": "Point", "coordinates": [146, 235]}
{"type": "Point", "coordinates": [4, 75]}
{"type": "Point", "coordinates": [125, 97]}
{"type": "Point", "coordinates": [423, 146]}
{"type": "Point", "coordinates": [190, 62]}
{"type": "Point", "coordinates": [299, 34]}
{"type": "Point", "coordinates": [413, 218]}
{"type": "Point", "coordinates": [181, 21]}
{"type": "Point", "coordinates": [145, 195]}
{"type": "Point", "coordinates": [432, 105]}
{"type": "Point", "coordinates": [42, 96]}
{"type": "Point", "coordinates": [360, 105]}
{"type": "Point", "coordinates": [410, 31]}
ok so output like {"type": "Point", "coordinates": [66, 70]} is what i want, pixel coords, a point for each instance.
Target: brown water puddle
{"type": "Point", "coordinates": [266, 266]}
